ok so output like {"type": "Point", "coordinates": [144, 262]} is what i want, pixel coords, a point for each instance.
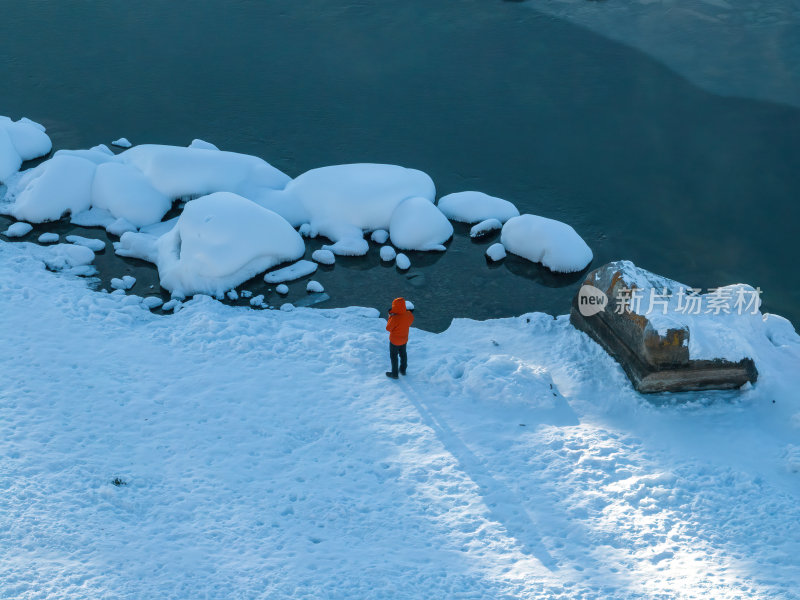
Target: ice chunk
{"type": "Point", "coordinates": [299, 269]}
{"type": "Point", "coordinates": [282, 289]}
{"type": "Point", "coordinates": [63, 256]}
{"type": "Point", "coordinates": [122, 143]}
{"type": "Point", "coordinates": [48, 238]}
{"type": "Point", "coordinates": [324, 257]}
{"type": "Point", "coordinates": [126, 193]}
{"type": "Point", "coordinates": [246, 294]}
{"type": "Point", "coordinates": [485, 227]}
{"type": "Point", "coordinates": [417, 224]}
{"type": "Point", "coordinates": [222, 240]}
{"type": "Point", "coordinates": [93, 244]}
{"type": "Point", "coordinates": [496, 252]}
{"type": "Point", "coordinates": [409, 305]}
{"type": "Point", "coordinates": [554, 244]}
{"type": "Point", "coordinates": [388, 253]}
{"type": "Point", "coordinates": [257, 300]}
{"type": "Point", "coordinates": [473, 207]}
{"type": "Point", "coordinates": [287, 307]}
{"type": "Point", "coordinates": [379, 236]}
{"type": "Point", "coordinates": [18, 230]}
{"type": "Point", "coordinates": [314, 287]}
{"type": "Point", "coordinates": [57, 186]}
{"type": "Point", "coordinates": [402, 262]}
{"type": "Point", "coordinates": [232, 295]}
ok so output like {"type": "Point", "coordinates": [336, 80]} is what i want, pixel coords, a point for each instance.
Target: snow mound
{"type": "Point", "coordinates": [379, 236]}
{"type": "Point", "coordinates": [18, 230]}
{"type": "Point", "coordinates": [92, 244]}
{"type": "Point", "coordinates": [282, 289]}
{"type": "Point", "coordinates": [122, 143]}
{"type": "Point", "coordinates": [67, 257]}
{"type": "Point", "coordinates": [301, 268]}
{"type": "Point", "coordinates": [151, 302]}
{"type": "Point", "coordinates": [20, 141]}
{"type": "Point", "coordinates": [343, 201]}
{"type": "Point", "coordinates": [351, 246]}
{"type": "Point", "coordinates": [179, 172]}
{"type": "Point", "coordinates": [496, 252]}
{"type": "Point", "coordinates": [324, 257]}
{"type": "Point", "coordinates": [120, 226]}
{"type": "Point", "coordinates": [417, 224]}
{"type": "Point", "coordinates": [554, 244]}
{"type": "Point", "coordinates": [314, 287]}
{"type": "Point", "coordinates": [48, 238]}
{"type": "Point", "coordinates": [60, 185]}
{"type": "Point", "coordinates": [220, 241]}
{"type": "Point", "coordinates": [126, 193]}
{"type": "Point", "coordinates": [508, 380]}
{"type": "Point", "coordinates": [485, 228]}
{"type": "Point", "coordinates": [388, 253]}
{"type": "Point", "coordinates": [473, 207]}
{"type": "Point", "coordinates": [143, 246]}
{"type": "Point", "coordinates": [402, 262]}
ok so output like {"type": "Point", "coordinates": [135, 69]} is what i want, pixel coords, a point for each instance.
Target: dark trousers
{"type": "Point", "coordinates": [394, 351]}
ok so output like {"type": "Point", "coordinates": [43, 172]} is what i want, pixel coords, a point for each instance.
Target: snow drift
{"type": "Point", "coordinates": [554, 244]}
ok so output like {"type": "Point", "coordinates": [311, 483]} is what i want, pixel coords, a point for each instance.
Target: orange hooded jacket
{"type": "Point", "coordinates": [399, 321]}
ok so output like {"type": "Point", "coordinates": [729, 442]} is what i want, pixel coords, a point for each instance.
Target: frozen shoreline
{"type": "Point", "coordinates": [266, 452]}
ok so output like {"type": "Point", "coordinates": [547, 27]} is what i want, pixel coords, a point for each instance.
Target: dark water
{"type": "Point", "coordinates": [481, 95]}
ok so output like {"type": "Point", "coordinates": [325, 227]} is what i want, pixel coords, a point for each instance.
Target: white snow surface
{"type": "Point", "coordinates": [417, 224]}
{"type": "Point", "coordinates": [474, 207]}
{"type": "Point", "coordinates": [554, 244]}
{"type": "Point", "coordinates": [18, 229]}
{"type": "Point", "coordinates": [301, 268]}
{"type": "Point", "coordinates": [220, 241]}
{"type": "Point", "coordinates": [122, 143]}
{"type": "Point", "coordinates": [20, 141]}
{"type": "Point", "coordinates": [266, 453]}
{"type": "Point", "coordinates": [126, 193]}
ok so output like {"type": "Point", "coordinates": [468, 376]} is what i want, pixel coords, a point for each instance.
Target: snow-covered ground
{"type": "Point", "coordinates": [264, 454]}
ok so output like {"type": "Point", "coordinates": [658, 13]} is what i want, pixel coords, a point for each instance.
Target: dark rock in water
{"type": "Point", "coordinates": [656, 359]}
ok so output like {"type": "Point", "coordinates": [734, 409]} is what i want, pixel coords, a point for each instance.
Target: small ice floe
{"type": "Point", "coordinates": [402, 262]}
{"type": "Point", "coordinates": [485, 228]}
{"type": "Point", "coordinates": [314, 287]}
{"type": "Point", "coordinates": [379, 236]}
{"type": "Point", "coordinates": [388, 253]}
{"type": "Point", "coordinates": [324, 257]}
{"type": "Point", "coordinates": [257, 301]}
{"type": "Point", "coordinates": [297, 270]}
{"type": "Point", "coordinates": [124, 283]}
{"type": "Point", "coordinates": [92, 244]}
{"type": "Point", "coordinates": [496, 252]}
{"type": "Point", "coordinates": [151, 302]}
{"type": "Point", "coordinates": [122, 143]}
{"type": "Point", "coordinates": [232, 295]}
{"type": "Point", "coordinates": [552, 243]}
{"type": "Point", "coordinates": [282, 289]}
{"type": "Point", "coordinates": [287, 307]}
{"type": "Point", "coordinates": [474, 207]}
{"type": "Point", "coordinates": [48, 238]}
{"type": "Point", "coordinates": [18, 230]}
{"type": "Point", "coordinates": [246, 294]}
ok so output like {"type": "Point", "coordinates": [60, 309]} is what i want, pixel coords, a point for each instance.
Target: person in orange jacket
{"type": "Point", "coordinates": [400, 319]}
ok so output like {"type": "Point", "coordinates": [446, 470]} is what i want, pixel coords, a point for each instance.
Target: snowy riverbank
{"type": "Point", "coordinates": [265, 455]}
